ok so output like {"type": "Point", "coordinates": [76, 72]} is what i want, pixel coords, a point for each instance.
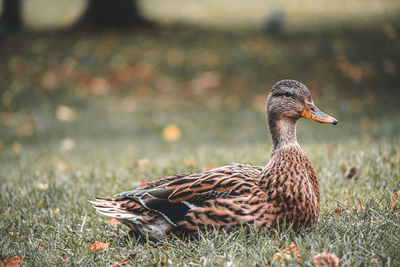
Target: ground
{"type": "Point", "coordinates": [88, 114]}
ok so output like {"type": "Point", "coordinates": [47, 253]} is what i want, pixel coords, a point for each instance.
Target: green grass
{"type": "Point", "coordinates": [212, 85]}
{"type": "Point", "coordinates": [105, 161]}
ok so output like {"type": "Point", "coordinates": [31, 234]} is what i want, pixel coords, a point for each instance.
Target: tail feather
{"type": "Point", "coordinates": [113, 208]}
{"type": "Point", "coordinates": [132, 214]}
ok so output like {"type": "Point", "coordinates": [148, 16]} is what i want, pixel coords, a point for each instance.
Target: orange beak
{"type": "Point", "coordinates": [313, 113]}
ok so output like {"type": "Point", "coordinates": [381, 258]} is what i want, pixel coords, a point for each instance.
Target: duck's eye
{"type": "Point", "coordinates": [288, 94]}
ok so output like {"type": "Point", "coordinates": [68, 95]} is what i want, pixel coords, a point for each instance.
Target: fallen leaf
{"type": "Point", "coordinates": [374, 260]}
{"type": "Point", "coordinates": [278, 256]}
{"type": "Point", "coordinates": [292, 249]}
{"type": "Point", "coordinates": [326, 260]}
{"type": "Point", "coordinates": [62, 255]}
{"type": "Point", "coordinates": [361, 207]}
{"type": "Point", "coordinates": [99, 246]}
{"type": "Point", "coordinates": [346, 203]}
{"type": "Point", "coordinates": [124, 261]}
{"type": "Point", "coordinates": [11, 262]}
{"type": "Point", "coordinates": [395, 200]}
{"type": "Point", "coordinates": [338, 210]}
{"type": "Point", "coordinates": [288, 253]}
{"type": "Point", "coordinates": [11, 233]}
{"type": "Point", "coordinates": [160, 247]}
{"type": "Point", "coordinates": [171, 133]}
{"type": "Point", "coordinates": [113, 222]}
{"type": "Point", "coordinates": [351, 173]}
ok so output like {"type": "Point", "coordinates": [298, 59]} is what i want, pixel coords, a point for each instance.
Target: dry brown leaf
{"type": "Point", "coordinates": [292, 249]}
{"type": "Point", "coordinates": [361, 207]}
{"type": "Point", "coordinates": [395, 200]}
{"type": "Point", "coordinates": [338, 210]}
{"type": "Point", "coordinates": [11, 261]}
{"type": "Point", "coordinates": [99, 246]}
{"type": "Point", "coordinates": [171, 133]}
{"type": "Point", "coordinates": [278, 256]}
{"type": "Point", "coordinates": [288, 252]}
{"type": "Point", "coordinates": [113, 222]}
{"type": "Point", "coordinates": [124, 261]}
{"type": "Point", "coordinates": [164, 247]}
{"type": "Point", "coordinates": [351, 173]}
{"type": "Point", "coordinates": [326, 260]}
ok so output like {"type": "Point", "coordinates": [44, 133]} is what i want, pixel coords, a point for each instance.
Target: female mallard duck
{"type": "Point", "coordinates": [285, 190]}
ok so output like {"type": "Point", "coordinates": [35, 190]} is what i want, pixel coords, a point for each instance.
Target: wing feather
{"type": "Point", "coordinates": [174, 196]}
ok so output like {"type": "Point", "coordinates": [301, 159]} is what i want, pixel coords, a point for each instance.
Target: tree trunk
{"type": "Point", "coordinates": [112, 14]}
{"type": "Point", "coordinates": [11, 14]}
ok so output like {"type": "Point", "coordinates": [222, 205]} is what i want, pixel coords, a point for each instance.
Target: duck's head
{"type": "Point", "coordinates": [290, 100]}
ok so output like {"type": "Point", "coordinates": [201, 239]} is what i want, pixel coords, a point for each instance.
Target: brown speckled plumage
{"type": "Point", "coordinates": [285, 190]}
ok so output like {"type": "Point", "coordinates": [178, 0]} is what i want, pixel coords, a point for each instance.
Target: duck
{"type": "Point", "coordinates": [283, 192]}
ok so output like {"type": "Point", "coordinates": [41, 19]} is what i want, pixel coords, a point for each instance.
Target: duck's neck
{"type": "Point", "coordinates": [283, 132]}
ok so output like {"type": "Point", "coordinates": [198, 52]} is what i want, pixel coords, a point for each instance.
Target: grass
{"type": "Point", "coordinates": [40, 224]}
{"type": "Point", "coordinates": [82, 114]}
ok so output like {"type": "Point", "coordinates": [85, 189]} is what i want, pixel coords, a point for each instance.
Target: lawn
{"type": "Point", "coordinates": [86, 114]}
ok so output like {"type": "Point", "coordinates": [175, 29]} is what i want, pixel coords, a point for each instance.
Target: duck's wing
{"type": "Point", "coordinates": [173, 198]}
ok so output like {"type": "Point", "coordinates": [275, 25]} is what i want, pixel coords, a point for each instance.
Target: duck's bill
{"type": "Point", "coordinates": [313, 113]}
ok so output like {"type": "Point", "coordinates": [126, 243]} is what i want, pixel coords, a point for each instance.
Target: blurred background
{"type": "Point", "coordinates": [150, 76]}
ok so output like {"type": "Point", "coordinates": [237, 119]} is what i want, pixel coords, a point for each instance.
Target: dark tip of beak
{"type": "Point", "coordinates": [334, 122]}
